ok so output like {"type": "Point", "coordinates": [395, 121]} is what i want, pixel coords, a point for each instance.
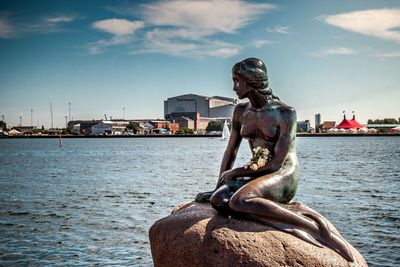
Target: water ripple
{"type": "Point", "coordinates": [92, 201]}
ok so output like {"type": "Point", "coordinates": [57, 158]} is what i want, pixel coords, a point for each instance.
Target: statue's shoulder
{"type": "Point", "coordinates": [278, 104]}
{"type": "Point", "coordinates": [285, 110]}
{"type": "Point", "coordinates": [240, 107]}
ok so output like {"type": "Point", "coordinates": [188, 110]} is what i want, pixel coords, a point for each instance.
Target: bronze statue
{"type": "Point", "coordinates": [263, 192]}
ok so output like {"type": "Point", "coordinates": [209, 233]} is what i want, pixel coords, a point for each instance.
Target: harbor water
{"type": "Point", "coordinates": [92, 201]}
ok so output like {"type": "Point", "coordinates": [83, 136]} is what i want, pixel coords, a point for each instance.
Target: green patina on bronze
{"type": "Point", "coordinates": [265, 194]}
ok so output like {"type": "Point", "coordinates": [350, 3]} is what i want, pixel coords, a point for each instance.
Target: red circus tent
{"type": "Point", "coordinates": [349, 124]}
{"type": "Point", "coordinates": [355, 123]}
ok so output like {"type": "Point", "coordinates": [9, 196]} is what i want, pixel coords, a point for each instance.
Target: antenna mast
{"type": "Point", "coordinates": [51, 114]}
{"type": "Point", "coordinates": [69, 111]}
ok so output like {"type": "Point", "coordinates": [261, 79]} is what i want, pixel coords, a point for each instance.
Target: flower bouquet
{"type": "Point", "coordinates": [260, 158]}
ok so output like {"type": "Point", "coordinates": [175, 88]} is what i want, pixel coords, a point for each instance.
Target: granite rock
{"type": "Point", "coordinates": [195, 235]}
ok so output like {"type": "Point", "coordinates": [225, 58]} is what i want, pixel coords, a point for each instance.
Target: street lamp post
{"type": "Point", "coordinates": [69, 111]}
{"type": "Point", "coordinates": [31, 116]}
{"type": "Point", "coordinates": [51, 114]}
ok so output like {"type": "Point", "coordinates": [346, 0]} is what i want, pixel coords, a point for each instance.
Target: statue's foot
{"type": "Point", "coordinates": [333, 242]}
{"type": "Point", "coordinates": [326, 236]}
{"type": "Point", "coordinates": [338, 244]}
{"type": "Point", "coordinates": [204, 197]}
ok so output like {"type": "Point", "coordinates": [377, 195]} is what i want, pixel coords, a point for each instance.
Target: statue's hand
{"type": "Point", "coordinates": [204, 197]}
{"type": "Point", "coordinates": [226, 177]}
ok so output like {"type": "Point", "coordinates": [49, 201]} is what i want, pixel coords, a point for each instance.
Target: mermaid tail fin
{"type": "Point", "coordinates": [305, 237]}
{"type": "Point", "coordinates": [327, 237]}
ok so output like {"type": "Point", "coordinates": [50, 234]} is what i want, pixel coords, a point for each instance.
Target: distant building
{"type": "Point", "coordinates": [24, 129]}
{"type": "Point", "coordinates": [327, 125]}
{"type": "Point", "coordinates": [303, 126]}
{"type": "Point", "coordinates": [159, 123]}
{"type": "Point", "coordinates": [165, 125]}
{"type": "Point", "coordinates": [196, 106]}
{"type": "Point", "coordinates": [101, 128]}
{"type": "Point", "coordinates": [109, 127]}
{"type": "Point", "coordinates": [382, 126]}
{"type": "Point", "coordinates": [84, 125]}
{"type": "Point", "coordinates": [203, 123]}
{"type": "Point", "coordinates": [185, 122]}
{"type": "Point", "coordinates": [317, 122]}
{"type": "Point", "coordinates": [76, 128]}
{"type": "Point", "coordinates": [214, 106]}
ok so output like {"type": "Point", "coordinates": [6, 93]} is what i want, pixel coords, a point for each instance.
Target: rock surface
{"type": "Point", "coordinates": [195, 235]}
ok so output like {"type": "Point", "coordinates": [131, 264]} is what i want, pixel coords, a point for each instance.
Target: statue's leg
{"type": "Point", "coordinates": [220, 199]}
{"type": "Point", "coordinates": [259, 199]}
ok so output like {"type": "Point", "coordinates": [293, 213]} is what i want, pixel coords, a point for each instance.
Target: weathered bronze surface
{"type": "Point", "coordinates": [264, 194]}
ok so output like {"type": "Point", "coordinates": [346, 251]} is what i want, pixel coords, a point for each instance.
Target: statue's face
{"type": "Point", "coordinates": [240, 86]}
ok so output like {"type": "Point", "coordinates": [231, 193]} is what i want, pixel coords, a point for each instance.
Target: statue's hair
{"type": "Point", "coordinates": [254, 72]}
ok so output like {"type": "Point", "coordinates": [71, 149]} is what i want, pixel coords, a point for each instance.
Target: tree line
{"type": "Point", "coordinates": [384, 121]}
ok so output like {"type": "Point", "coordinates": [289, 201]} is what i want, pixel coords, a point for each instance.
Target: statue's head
{"type": "Point", "coordinates": [254, 72]}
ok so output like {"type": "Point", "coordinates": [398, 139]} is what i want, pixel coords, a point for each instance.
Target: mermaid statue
{"type": "Point", "coordinates": [263, 189]}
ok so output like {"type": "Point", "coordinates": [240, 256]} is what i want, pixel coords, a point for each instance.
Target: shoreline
{"type": "Point", "coordinates": [181, 136]}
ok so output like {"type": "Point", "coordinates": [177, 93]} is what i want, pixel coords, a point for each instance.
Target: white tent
{"type": "Point", "coordinates": [395, 129]}
{"type": "Point", "coordinates": [372, 130]}
{"type": "Point", "coordinates": [14, 132]}
{"type": "Point", "coordinates": [333, 130]}
{"type": "Point", "coordinates": [148, 126]}
{"type": "Point", "coordinates": [363, 130]}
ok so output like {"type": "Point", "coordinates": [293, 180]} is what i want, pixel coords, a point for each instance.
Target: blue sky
{"type": "Point", "coordinates": [322, 56]}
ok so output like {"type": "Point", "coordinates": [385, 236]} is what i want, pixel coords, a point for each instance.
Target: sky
{"type": "Point", "coordinates": [124, 58]}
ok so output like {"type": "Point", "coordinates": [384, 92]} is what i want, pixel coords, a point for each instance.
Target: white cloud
{"type": "Point", "coordinates": [100, 46]}
{"type": "Point", "coordinates": [60, 19]}
{"type": "Point", "coordinates": [223, 51]}
{"type": "Point", "coordinates": [185, 27]}
{"type": "Point", "coordinates": [261, 43]}
{"type": "Point", "coordinates": [6, 30]}
{"type": "Point", "coordinates": [280, 29]}
{"type": "Point", "coordinates": [390, 54]}
{"type": "Point", "coordinates": [171, 43]}
{"type": "Point", "coordinates": [13, 27]}
{"type": "Point", "coordinates": [380, 23]}
{"type": "Point", "coordinates": [333, 51]}
{"type": "Point", "coordinates": [118, 26]}
{"type": "Point", "coordinates": [207, 17]}
{"type": "Point", "coordinates": [121, 29]}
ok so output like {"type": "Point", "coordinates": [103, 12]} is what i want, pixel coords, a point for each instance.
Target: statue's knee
{"type": "Point", "coordinates": [237, 203]}
{"type": "Point", "coordinates": [218, 201]}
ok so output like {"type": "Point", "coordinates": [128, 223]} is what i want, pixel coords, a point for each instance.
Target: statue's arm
{"type": "Point", "coordinates": [287, 135]}
{"type": "Point", "coordinates": [234, 142]}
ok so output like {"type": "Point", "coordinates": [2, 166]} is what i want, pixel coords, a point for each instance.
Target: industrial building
{"type": "Point", "coordinates": [303, 126]}
{"type": "Point", "coordinates": [209, 107]}
{"type": "Point", "coordinates": [317, 122]}
{"type": "Point", "coordinates": [119, 127]}
{"type": "Point", "coordinates": [199, 109]}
